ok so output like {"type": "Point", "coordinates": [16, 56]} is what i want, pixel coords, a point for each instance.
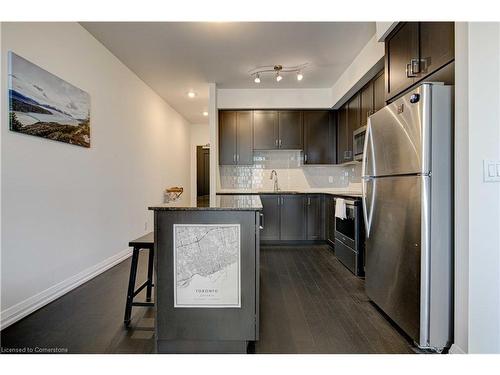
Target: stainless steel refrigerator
{"type": "Point", "coordinates": [407, 206]}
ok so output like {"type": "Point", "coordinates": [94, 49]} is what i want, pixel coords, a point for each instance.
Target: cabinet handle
{"type": "Point", "coordinates": [308, 201]}
{"type": "Point", "coordinates": [234, 158]}
{"type": "Point", "coordinates": [415, 66]}
{"type": "Point", "coordinates": [261, 226]}
{"type": "Point", "coordinates": [276, 142]}
{"type": "Point", "coordinates": [409, 71]}
{"type": "Point", "coordinates": [279, 200]}
{"type": "Point", "coordinates": [280, 143]}
{"type": "Point", "coordinates": [305, 157]}
{"type": "Point", "coordinates": [238, 158]}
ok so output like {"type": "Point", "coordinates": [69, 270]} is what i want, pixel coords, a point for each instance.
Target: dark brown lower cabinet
{"type": "Point", "coordinates": [271, 220]}
{"type": "Point", "coordinates": [315, 216]}
{"type": "Point", "coordinates": [330, 219]}
{"type": "Point", "coordinates": [292, 221]}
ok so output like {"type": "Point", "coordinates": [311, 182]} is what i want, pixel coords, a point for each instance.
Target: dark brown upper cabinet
{"type": "Point", "coordinates": [278, 130]}
{"type": "Point", "coordinates": [290, 126]}
{"type": "Point", "coordinates": [378, 92]}
{"type": "Point", "coordinates": [344, 154]}
{"type": "Point", "coordinates": [265, 130]}
{"type": "Point", "coordinates": [366, 103]}
{"type": "Point", "coordinates": [319, 137]}
{"type": "Point", "coordinates": [235, 138]}
{"type": "Point", "coordinates": [437, 46]}
{"type": "Point", "coordinates": [401, 58]}
{"type": "Point", "coordinates": [415, 50]}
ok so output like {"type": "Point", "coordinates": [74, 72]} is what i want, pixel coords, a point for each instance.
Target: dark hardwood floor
{"type": "Point", "coordinates": [310, 303]}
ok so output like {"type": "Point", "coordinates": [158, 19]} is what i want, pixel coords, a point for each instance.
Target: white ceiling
{"type": "Point", "coordinates": [175, 57]}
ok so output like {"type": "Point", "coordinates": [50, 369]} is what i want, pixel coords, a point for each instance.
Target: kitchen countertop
{"type": "Point", "coordinates": [240, 202]}
{"type": "Point", "coordinates": [342, 192]}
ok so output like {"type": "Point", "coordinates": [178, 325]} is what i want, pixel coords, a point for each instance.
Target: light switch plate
{"type": "Point", "coordinates": [491, 170]}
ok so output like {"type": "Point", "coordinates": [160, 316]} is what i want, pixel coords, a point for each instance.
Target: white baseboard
{"type": "Point", "coordinates": [455, 349]}
{"type": "Point", "coordinates": [33, 303]}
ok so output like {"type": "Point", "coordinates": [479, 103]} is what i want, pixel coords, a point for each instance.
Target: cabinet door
{"type": "Point", "coordinates": [315, 217]}
{"type": "Point", "coordinates": [400, 49]}
{"type": "Point", "coordinates": [292, 222]}
{"type": "Point", "coordinates": [271, 222]}
{"type": "Point", "coordinates": [437, 46]}
{"type": "Point", "coordinates": [330, 218]}
{"type": "Point", "coordinates": [244, 138]}
{"type": "Point", "coordinates": [227, 138]}
{"type": "Point", "coordinates": [366, 103]}
{"type": "Point", "coordinates": [342, 130]}
{"type": "Point", "coordinates": [265, 130]}
{"type": "Point", "coordinates": [290, 130]}
{"type": "Point", "coordinates": [353, 122]}
{"type": "Point", "coordinates": [317, 137]}
{"type": "Point", "coordinates": [378, 92]}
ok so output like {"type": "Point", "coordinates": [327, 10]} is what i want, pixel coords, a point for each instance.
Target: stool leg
{"type": "Point", "coordinates": [131, 286]}
{"type": "Point", "coordinates": [150, 274]}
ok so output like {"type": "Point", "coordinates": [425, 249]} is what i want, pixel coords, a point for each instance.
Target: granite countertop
{"type": "Point", "coordinates": [338, 191]}
{"type": "Point", "coordinates": [240, 202]}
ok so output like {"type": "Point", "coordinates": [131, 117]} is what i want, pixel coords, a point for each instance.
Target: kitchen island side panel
{"type": "Point", "coordinates": [205, 324]}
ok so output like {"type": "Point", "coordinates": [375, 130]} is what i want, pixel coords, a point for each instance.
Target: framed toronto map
{"type": "Point", "coordinates": [207, 265]}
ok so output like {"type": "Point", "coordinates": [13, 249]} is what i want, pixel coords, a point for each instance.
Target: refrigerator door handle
{"type": "Point", "coordinates": [368, 146]}
{"type": "Point", "coordinates": [368, 208]}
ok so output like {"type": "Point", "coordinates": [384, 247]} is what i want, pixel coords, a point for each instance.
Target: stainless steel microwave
{"type": "Point", "coordinates": [358, 143]}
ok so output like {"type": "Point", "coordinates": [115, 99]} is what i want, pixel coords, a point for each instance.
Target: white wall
{"type": "Point", "coordinates": [273, 98]}
{"type": "Point", "coordinates": [363, 68]}
{"type": "Point", "coordinates": [383, 29]}
{"type": "Point", "coordinates": [68, 212]}
{"type": "Point", "coordinates": [199, 136]}
{"type": "Point", "coordinates": [477, 323]}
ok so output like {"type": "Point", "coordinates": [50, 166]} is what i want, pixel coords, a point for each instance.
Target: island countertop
{"type": "Point", "coordinates": [222, 203]}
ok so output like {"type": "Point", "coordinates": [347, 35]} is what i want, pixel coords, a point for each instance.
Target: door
{"type": "Point", "coordinates": [290, 130]}
{"type": "Point", "coordinates": [244, 138]}
{"type": "Point", "coordinates": [378, 92]}
{"type": "Point", "coordinates": [315, 217]}
{"type": "Point", "coordinates": [317, 137]}
{"type": "Point", "coordinates": [292, 223]}
{"type": "Point", "coordinates": [400, 49]}
{"type": "Point", "coordinates": [396, 136]}
{"type": "Point", "coordinates": [265, 130]}
{"type": "Point", "coordinates": [343, 153]}
{"type": "Point", "coordinates": [227, 138]}
{"type": "Point", "coordinates": [202, 171]}
{"type": "Point", "coordinates": [437, 45]}
{"type": "Point", "coordinates": [271, 219]}
{"type": "Point", "coordinates": [366, 105]}
{"type": "Point", "coordinates": [393, 247]}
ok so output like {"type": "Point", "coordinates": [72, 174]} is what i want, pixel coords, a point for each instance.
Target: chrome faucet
{"type": "Point", "coordinates": [275, 175]}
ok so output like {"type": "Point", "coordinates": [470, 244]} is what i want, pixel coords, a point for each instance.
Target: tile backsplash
{"type": "Point", "coordinates": [292, 174]}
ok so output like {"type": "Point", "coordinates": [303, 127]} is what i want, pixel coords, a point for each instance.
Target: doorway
{"type": "Point", "coordinates": [202, 175]}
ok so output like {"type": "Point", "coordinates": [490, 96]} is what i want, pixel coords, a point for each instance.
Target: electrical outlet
{"type": "Point", "coordinates": [330, 179]}
{"type": "Point", "coordinates": [491, 170]}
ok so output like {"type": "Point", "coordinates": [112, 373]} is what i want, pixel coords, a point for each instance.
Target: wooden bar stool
{"type": "Point", "coordinates": [145, 242]}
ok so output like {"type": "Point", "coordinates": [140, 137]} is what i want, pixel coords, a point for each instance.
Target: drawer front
{"type": "Point", "coordinates": [347, 256]}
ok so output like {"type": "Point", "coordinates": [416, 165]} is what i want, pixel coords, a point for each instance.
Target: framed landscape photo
{"type": "Point", "coordinates": [44, 105]}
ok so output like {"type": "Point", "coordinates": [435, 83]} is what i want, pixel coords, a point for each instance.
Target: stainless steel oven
{"type": "Point", "coordinates": [349, 237]}
{"type": "Point", "coordinates": [358, 143]}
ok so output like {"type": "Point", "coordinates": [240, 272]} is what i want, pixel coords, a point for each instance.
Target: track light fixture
{"type": "Point", "coordinates": [278, 70]}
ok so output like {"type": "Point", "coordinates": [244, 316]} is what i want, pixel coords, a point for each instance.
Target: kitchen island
{"type": "Point", "coordinates": [207, 276]}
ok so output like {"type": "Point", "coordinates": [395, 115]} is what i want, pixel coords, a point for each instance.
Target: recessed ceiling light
{"type": "Point", "coordinates": [191, 94]}
{"type": "Point", "coordinates": [257, 78]}
{"type": "Point", "coordinates": [300, 76]}
{"type": "Point", "coordinates": [205, 113]}
{"type": "Point", "coordinates": [278, 77]}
